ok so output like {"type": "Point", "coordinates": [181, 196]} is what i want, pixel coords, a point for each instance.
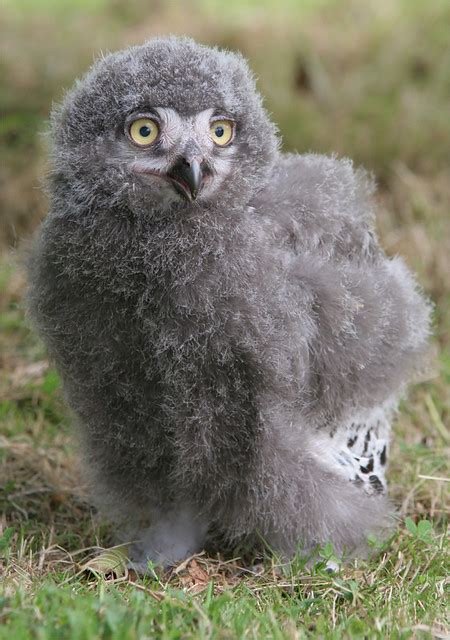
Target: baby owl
{"type": "Point", "coordinates": [230, 335]}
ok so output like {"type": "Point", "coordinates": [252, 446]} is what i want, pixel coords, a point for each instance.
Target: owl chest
{"type": "Point", "coordinates": [168, 342]}
{"type": "Point", "coordinates": [161, 300]}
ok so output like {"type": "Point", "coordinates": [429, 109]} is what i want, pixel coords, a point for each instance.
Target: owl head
{"type": "Point", "coordinates": [170, 125]}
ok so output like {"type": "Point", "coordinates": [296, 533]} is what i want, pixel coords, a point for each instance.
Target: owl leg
{"type": "Point", "coordinates": [327, 486]}
{"type": "Point", "coordinates": [171, 537]}
{"type": "Point", "coordinates": [326, 508]}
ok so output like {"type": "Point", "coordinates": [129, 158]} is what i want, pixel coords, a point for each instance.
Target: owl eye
{"type": "Point", "coordinates": [221, 132]}
{"type": "Point", "coordinates": [143, 131]}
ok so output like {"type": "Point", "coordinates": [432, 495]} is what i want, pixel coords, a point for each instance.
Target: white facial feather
{"type": "Point", "coordinates": [180, 134]}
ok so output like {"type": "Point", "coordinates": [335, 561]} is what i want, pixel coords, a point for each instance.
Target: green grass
{"type": "Point", "coordinates": [399, 595]}
{"type": "Point", "coordinates": [370, 80]}
{"type": "Point", "coordinates": [262, 611]}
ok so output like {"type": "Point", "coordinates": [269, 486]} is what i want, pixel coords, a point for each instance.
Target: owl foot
{"type": "Point", "coordinates": [171, 537]}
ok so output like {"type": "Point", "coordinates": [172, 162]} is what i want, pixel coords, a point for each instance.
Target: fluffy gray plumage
{"type": "Point", "coordinates": [233, 358]}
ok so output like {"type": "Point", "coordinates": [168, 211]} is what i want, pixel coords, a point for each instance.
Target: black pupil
{"type": "Point", "coordinates": [145, 131]}
{"type": "Point", "coordinates": [219, 131]}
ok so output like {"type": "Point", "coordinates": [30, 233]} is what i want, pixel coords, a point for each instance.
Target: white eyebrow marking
{"type": "Point", "coordinates": [171, 130]}
{"type": "Point", "coordinates": [177, 129]}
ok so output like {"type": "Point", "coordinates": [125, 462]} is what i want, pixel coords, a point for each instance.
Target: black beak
{"type": "Point", "coordinates": [187, 176]}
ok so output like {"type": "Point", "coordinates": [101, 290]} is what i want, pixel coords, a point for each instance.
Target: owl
{"type": "Point", "coordinates": [230, 336]}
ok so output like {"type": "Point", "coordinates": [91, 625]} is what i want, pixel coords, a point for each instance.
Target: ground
{"type": "Point", "coordinates": [370, 80]}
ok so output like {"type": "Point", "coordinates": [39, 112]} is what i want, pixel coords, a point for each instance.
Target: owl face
{"type": "Point", "coordinates": [168, 126]}
{"type": "Point", "coordinates": [179, 157]}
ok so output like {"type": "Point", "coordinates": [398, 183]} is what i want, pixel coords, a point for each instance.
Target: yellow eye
{"type": "Point", "coordinates": [221, 132]}
{"type": "Point", "coordinates": [143, 131]}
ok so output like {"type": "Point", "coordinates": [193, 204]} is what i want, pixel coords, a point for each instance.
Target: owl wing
{"type": "Point", "coordinates": [368, 321]}
{"type": "Point", "coordinates": [358, 449]}
{"type": "Point", "coordinates": [321, 204]}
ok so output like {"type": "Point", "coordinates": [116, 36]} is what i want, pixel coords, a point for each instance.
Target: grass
{"type": "Point", "coordinates": [369, 80]}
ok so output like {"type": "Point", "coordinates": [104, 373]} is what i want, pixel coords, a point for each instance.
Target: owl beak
{"type": "Point", "coordinates": [187, 176]}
